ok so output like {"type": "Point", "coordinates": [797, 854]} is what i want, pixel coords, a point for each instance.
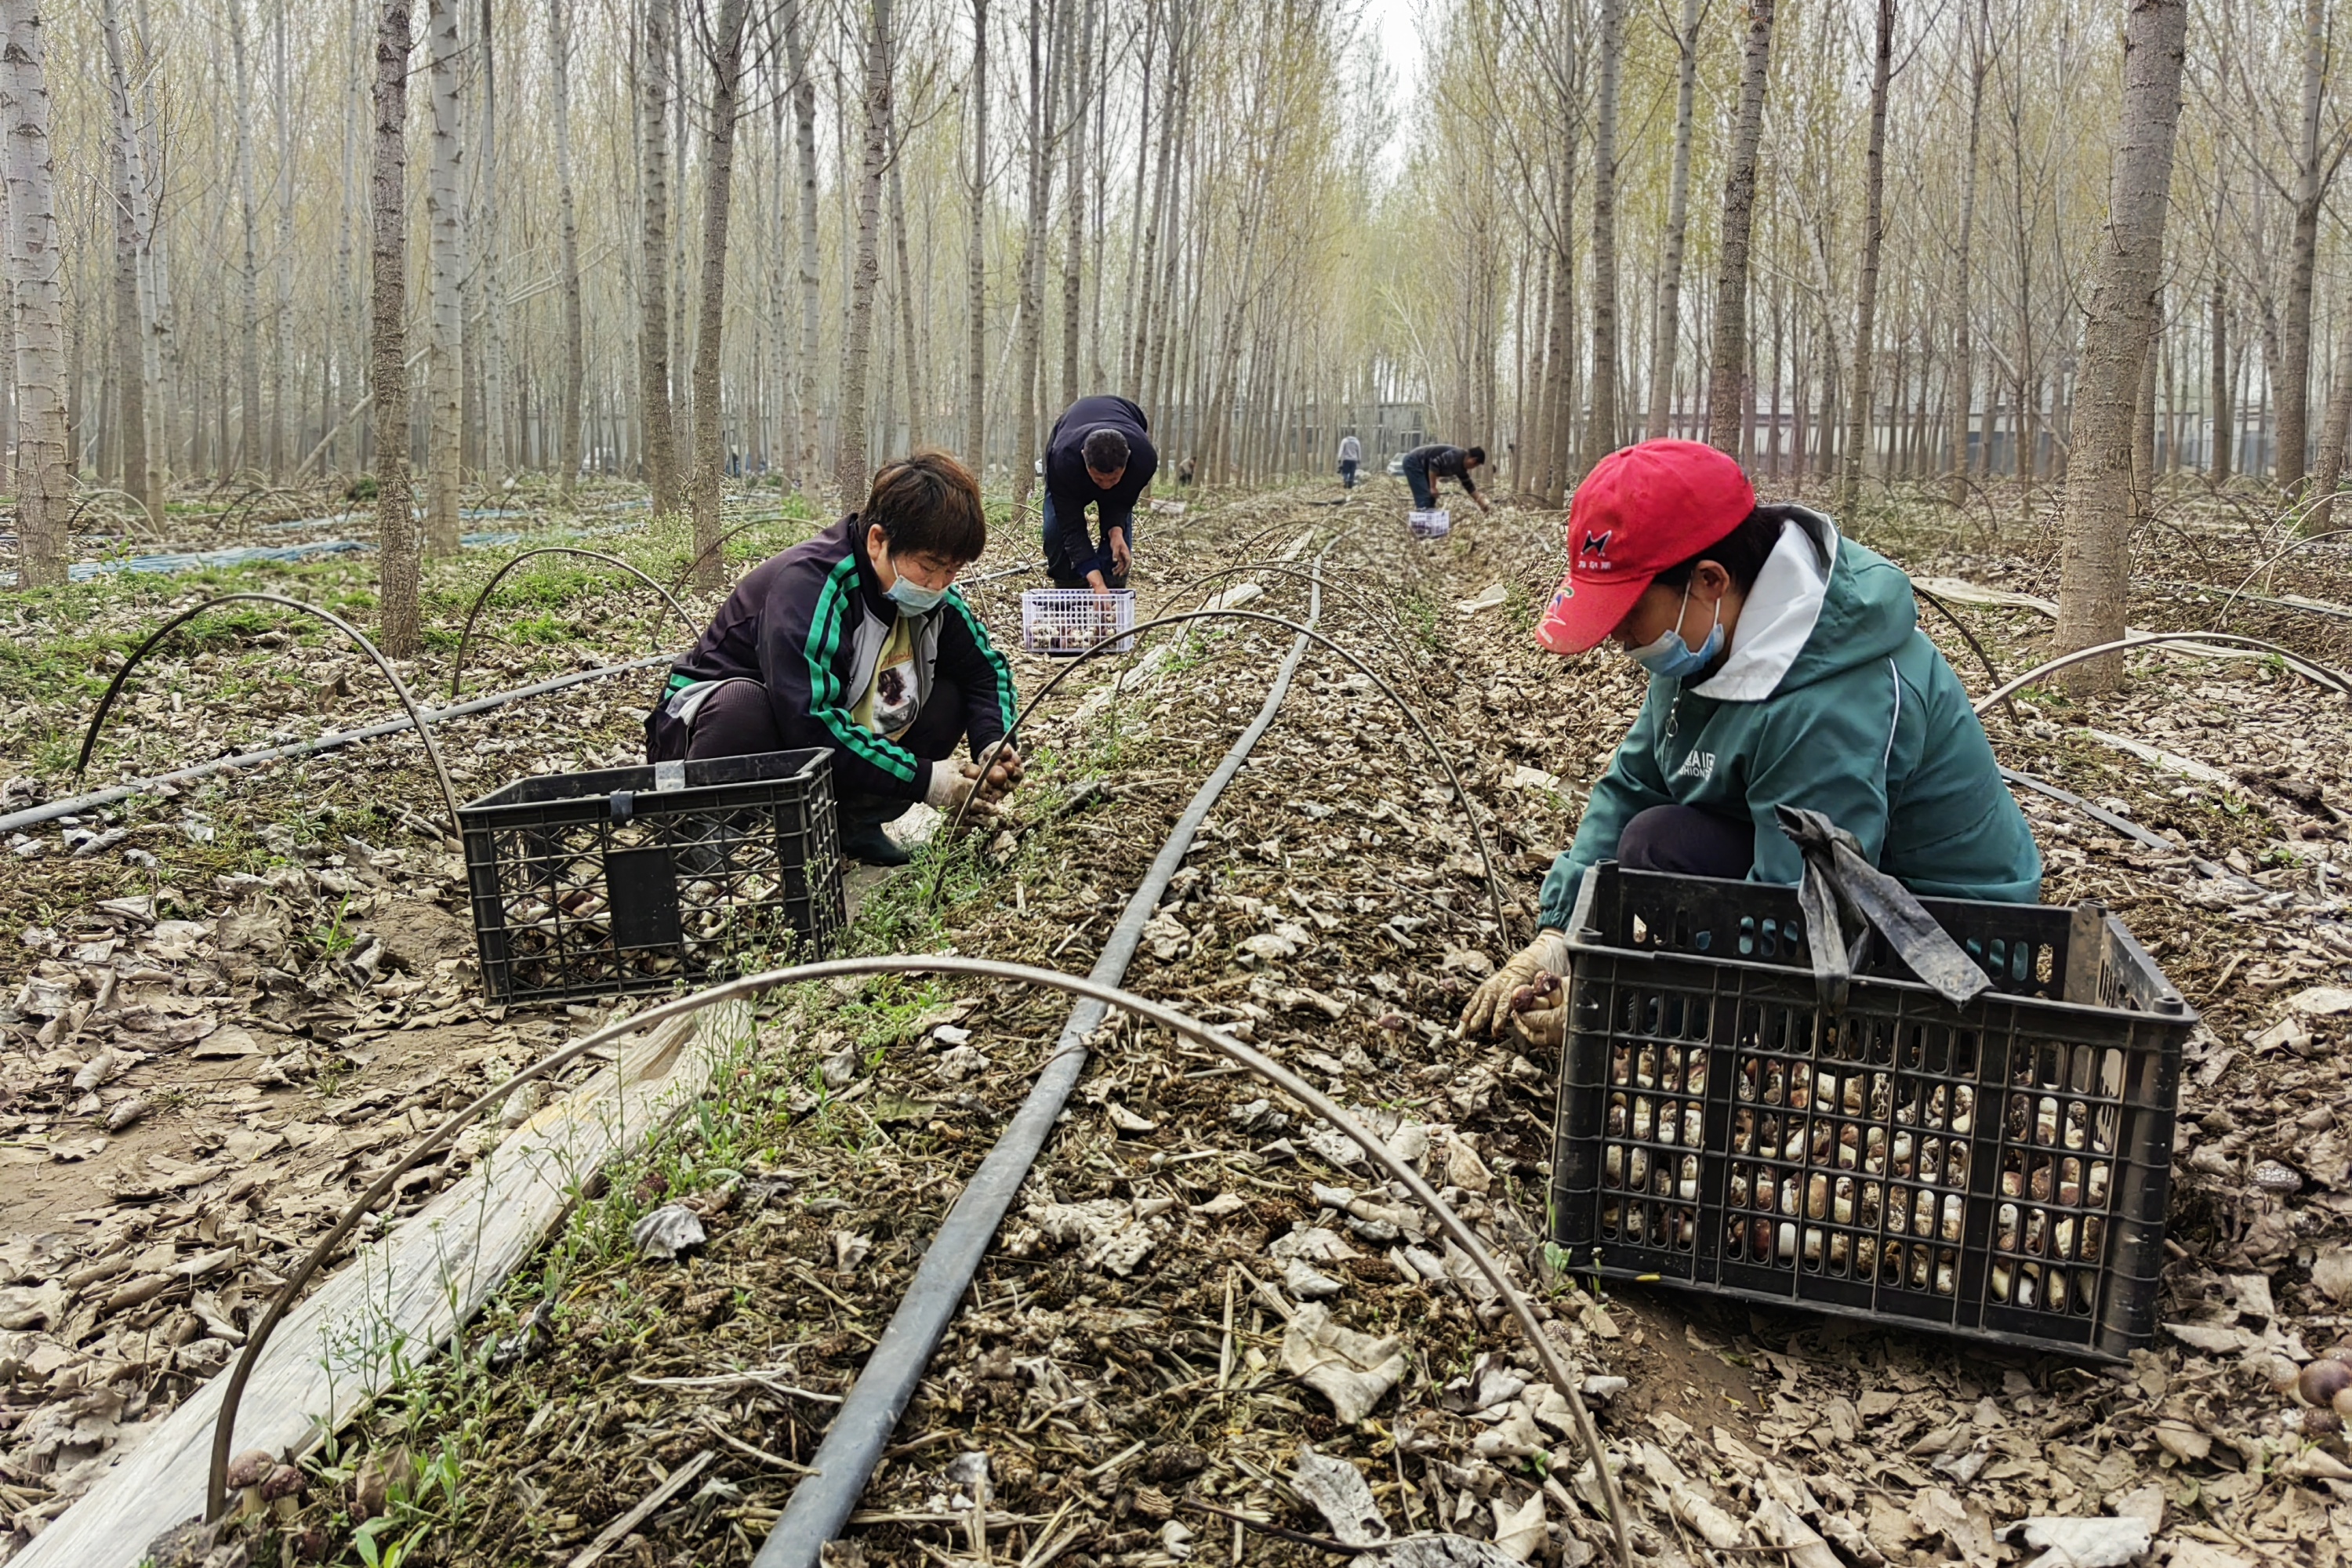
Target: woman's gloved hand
{"type": "Point", "coordinates": [1539, 1013]}
{"type": "Point", "coordinates": [953, 783]}
{"type": "Point", "coordinates": [1490, 1005]}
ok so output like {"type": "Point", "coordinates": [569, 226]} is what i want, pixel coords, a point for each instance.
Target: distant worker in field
{"type": "Point", "coordinates": [1425, 466]}
{"type": "Point", "coordinates": [1787, 667]}
{"type": "Point", "coordinates": [1351, 457]}
{"type": "Point", "coordinates": [1184, 472]}
{"type": "Point", "coordinates": [856, 641]}
{"type": "Point", "coordinates": [1100, 454]}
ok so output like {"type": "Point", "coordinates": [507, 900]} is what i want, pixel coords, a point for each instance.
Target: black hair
{"type": "Point", "coordinates": [1476, 454]}
{"type": "Point", "coordinates": [1105, 451]}
{"type": "Point", "coordinates": [929, 504]}
{"type": "Point", "coordinates": [1743, 552]}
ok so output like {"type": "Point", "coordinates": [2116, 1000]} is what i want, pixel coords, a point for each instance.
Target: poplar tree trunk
{"type": "Point", "coordinates": [1874, 244]}
{"type": "Point", "coordinates": [567, 442]}
{"type": "Point", "coordinates": [2094, 587]}
{"type": "Point", "coordinates": [1073, 246]}
{"type": "Point", "coordinates": [654, 258]}
{"type": "Point", "coordinates": [1727, 356]}
{"type": "Point", "coordinates": [398, 544]}
{"type": "Point", "coordinates": [907, 338]}
{"type": "Point", "coordinates": [483, 225]}
{"type": "Point", "coordinates": [1025, 446]}
{"type": "Point", "coordinates": [446, 265]}
{"type": "Point", "coordinates": [796, 56]}
{"type": "Point", "coordinates": [249, 454]}
{"type": "Point", "coordinates": [2225, 423]}
{"type": "Point", "coordinates": [2143, 430]}
{"type": "Point", "coordinates": [850, 475]}
{"type": "Point", "coordinates": [726, 48]}
{"type": "Point", "coordinates": [1601, 434]}
{"type": "Point", "coordinates": [281, 313]}
{"type": "Point", "coordinates": [2293, 377]}
{"type": "Point", "coordinates": [135, 381]}
{"type": "Point", "coordinates": [1665, 335]}
{"type": "Point", "coordinates": [975, 395]}
{"type": "Point", "coordinates": [37, 303]}
{"type": "Point", "coordinates": [2335, 433]}
{"type": "Point", "coordinates": [1963, 387]}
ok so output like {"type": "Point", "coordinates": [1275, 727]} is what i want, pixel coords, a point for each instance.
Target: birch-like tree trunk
{"type": "Point", "coordinates": [653, 259]}
{"type": "Point", "coordinates": [1041, 93]}
{"type": "Point", "coordinates": [2225, 420]}
{"type": "Point", "coordinates": [483, 226]}
{"type": "Point", "coordinates": [281, 311]}
{"type": "Point", "coordinates": [796, 55]}
{"type": "Point", "coordinates": [1601, 434]}
{"type": "Point", "coordinates": [908, 338]}
{"type": "Point", "coordinates": [445, 268]}
{"type": "Point", "coordinates": [1074, 245]}
{"type": "Point", "coordinates": [1727, 368]}
{"type": "Point", "coordinates": [2335, 434]}
{"type": "Point", "coordinates": [567, 442]}
{"type": "Point", "coordinates": [726, 50]}
{"type": "Point", "coordinates": [37, 303]}
{"type": "Point", "coordinates": [137, 392]}
{"type": "Point", "coordinates": [249, 454]}
{"type": "Point", "coordinates": [2094, 585]}
{"type": "Point", "coordinates": [850, 475]}
{"type": "Point", "coordinates": [1963, 385]}
{"type": "Point", "coordinates": [1873, 244]}
{"type": "Point", "coordinates": [2291, 378]}
{"type": "Point", "coordinates": [398, 544]}
{"type": "Point", "coordinates": [1665, 332]}
{"type": "Point", "coordinates": [976, 375]}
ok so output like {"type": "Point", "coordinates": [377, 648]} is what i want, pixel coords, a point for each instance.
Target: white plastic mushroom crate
{"type": "Point", "coordinates": [1429, 525]}
{"type": "Point", "coordinates": [1066, 621]}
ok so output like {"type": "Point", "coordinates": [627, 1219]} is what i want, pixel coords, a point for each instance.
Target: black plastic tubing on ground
{"type": "Point", "coordinates": [853, 1445]}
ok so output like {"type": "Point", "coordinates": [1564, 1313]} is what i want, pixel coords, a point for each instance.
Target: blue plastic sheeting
{"type": "Point", "coordinates": [345, 517]}
{"type": "Point", "coordinates": [248, 555]}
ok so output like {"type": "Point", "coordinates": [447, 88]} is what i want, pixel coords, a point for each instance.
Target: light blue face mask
{"type": "Point", "coordinates": [913, 597]}
{"type": "Point", "coordinates": [1671, 656]}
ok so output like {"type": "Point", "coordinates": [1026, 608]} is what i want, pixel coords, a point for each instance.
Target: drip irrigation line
{"type": "Point", "coordinates": [1962, 627]}
{"type": "Point", "coordinates": [399, 686]}
{"type": "Point", "coordinates": [1361, 601]}
{"type": "Point", "coordinates": [457, 665]}
{"type": "Point", "coordinates": [2310, 670]}
{"type": "Point", "coordinates": [33, 816]}
{"type": "Point", "coordinates": [784, 1547]}
{"type": "Point", "coordinates": [2128, 827]}
{"type": "Point", "coordinates": [1469, 810]}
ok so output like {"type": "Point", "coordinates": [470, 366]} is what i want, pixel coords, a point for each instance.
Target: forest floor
{"type": "Point", "coordinates": [238, 1005]}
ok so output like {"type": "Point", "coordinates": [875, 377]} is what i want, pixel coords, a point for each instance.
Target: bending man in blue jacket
{"type": "Point", "coordinates": [1787, 666]}
{"type": "Point", "coordinates": [1100, 453]}
{"type": "Point", "coordinates": [858, 641]}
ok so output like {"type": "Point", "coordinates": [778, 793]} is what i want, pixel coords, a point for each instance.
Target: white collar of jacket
{"type": "Point", "coordinates": [1778, 617]}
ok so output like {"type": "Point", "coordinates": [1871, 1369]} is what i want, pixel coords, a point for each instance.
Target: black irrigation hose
{"type": "Point", "coordinates": [1469, 810]}
{"type": "Point", "coordinates": [1962, 627]}
{"type": "Point", "coordinates": [457, 665]}
{"type": "Point", "coordinates": [1362, 602]}
{"type": "Point", "coordinates": [399, 686]}
{"type": "Point", "coordinates": [49, 811]}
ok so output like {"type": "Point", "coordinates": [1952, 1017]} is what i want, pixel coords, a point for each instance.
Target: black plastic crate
{"type": "Point", "coordinates": [634, 879]}
{"type": "Point", "coordinates": [1997, 1171]}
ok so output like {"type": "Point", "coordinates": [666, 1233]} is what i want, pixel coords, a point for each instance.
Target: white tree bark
{"type": "Point", "coordinates": [975, 397]}
{"type": "Point", "coordinates": [726, 44]}
{"type": "Point", "coordinates": [1665, 331]}
{"type": "Point", "coordinates": [567, 443]}
{"type": "Point", "coordinates": [796, 57]}
{"type": "Point", "coordinates": [138, 391]}
{"type": "Point", "coordinates": [1874, 242]}
{"type": "Point", "coordinates": [1728, 359]}
{"type": "Point", "coordinates": [250, 454]}
{"type": "Point", "coordinates": [850, 476]}
{"type": "Point", "coordinates": [36, 301]}
{"type": "Point", "coordinates": [1601, 434]}
{"type": "Point", "coordinates": [445, 268]}
{"type": "Point", "coordinates": [398, 543]}
{"type": "Point", "coordinates": [653, 269]}
{"type": "Point", "coordinates": [2094, 585]}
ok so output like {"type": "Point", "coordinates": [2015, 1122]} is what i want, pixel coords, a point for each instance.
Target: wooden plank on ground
{"type": "Point", "coordinates": [397, 1299]}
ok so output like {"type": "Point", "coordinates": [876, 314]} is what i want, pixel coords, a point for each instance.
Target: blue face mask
{"type": "Point", "coordinates": [1671, 656]}
{"type": "Point", "coordinates": [913, 597]}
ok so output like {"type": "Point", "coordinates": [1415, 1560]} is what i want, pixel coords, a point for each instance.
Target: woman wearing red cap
{"type": "Point", "coordinates": [1787, 666]}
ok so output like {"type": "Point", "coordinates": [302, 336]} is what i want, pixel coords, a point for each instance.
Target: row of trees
{"type": "Point", "coordinates": [1845, 238]}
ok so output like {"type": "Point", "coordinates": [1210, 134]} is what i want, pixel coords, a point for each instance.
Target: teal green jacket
{"type": "Point", "coordinates": [1833, 699]}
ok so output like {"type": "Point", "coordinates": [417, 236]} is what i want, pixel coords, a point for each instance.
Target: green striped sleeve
{"type": "Point", "coordinates": [826, 700]}
{"type": "Point", "coordinates": [1005, 697]}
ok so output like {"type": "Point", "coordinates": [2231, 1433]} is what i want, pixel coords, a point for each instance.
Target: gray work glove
{"type": "Point", "coordinates": [1490, 1005]}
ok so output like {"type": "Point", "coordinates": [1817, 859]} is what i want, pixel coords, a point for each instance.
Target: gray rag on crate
{"type": "Point", "coordinates": [1840, 882]}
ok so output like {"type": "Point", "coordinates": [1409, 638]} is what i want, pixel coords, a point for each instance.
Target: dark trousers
{"type": "Point", "coordinates": [736, 721]}
{"type": "Point", "coordinates": [1347, 474]}
{"type": "Point", "coordinates": [1688, 842]}
{"type": "Point", "coordinates": [1062, 553]}
{"type": "Point", "coordinates": [1424, 498]}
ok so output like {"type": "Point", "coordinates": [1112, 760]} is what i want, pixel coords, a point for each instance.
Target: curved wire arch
{"type": "Point", "coordinates": [457, 665]}
{"type": "Point", "coordinates": [1167, 1017]}
{"type": "Point", "coordinates": [2317, 673]}
{"type": "Point", "coordinates": [2294, 545]}
{"type": "Point", "coordinates": [399, 686]}
{"type": "Point", "coordinates": [1469, 810]}
{"type": "Point", "coordinates": [1975, 646]}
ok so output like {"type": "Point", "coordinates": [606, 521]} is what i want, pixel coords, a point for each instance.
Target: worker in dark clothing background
{"type": "Point", "coordinates": [1425, 466]}
{"type": "Point", "coordinates": [1100, 453]}
{"type": "Point", "coordinates": [856, 641]}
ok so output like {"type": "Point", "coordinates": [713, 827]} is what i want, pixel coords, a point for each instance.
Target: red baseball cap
{"type": "Point", "coordinates": [1639, 510]}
